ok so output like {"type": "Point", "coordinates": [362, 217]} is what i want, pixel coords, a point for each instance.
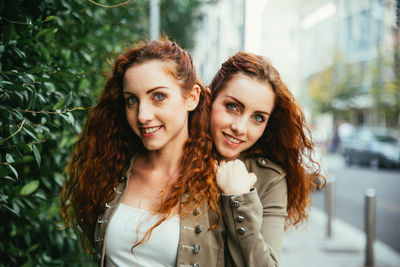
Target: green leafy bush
{"type": "Point", "coordinates": [53, 53]}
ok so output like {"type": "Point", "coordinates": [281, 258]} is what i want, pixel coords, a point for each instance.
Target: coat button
{"type": "Point", "coordinates": [263, 161]}
{"type": "Point", "coordinates": [241, 231]}
{"type": "Point", "coordinates": [196, 212]}
{"type": "Point", "coordinates": [198, 229]}
{"type": "Point", "coordinates": [196, 249]}
{"type": "Point", "coordinates": [236, 204]}
{"type": "Point", "coordinates": [240, 219]}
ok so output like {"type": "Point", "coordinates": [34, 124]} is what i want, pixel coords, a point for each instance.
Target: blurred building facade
{"type": "Point", "coordinates": [219, 35]}
{"type": "Point", "coordinates": [351, 44]}
{"type": "Point", "coordinates": [356, 38]}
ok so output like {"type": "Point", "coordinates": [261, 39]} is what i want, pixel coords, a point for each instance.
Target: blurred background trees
{"type": "Point", "coordinates": [356, 91]}
{"type": "Point", "coordinates": [52, 57]}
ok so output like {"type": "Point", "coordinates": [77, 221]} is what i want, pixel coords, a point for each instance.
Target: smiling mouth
{"type": "Point", "coordinates": [232, 139]}
{"type": "Point", "coordinates": [150, 130]}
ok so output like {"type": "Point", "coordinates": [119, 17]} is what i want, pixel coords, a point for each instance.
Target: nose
{"type": "Point", "coordinates": [238, 126]}
{"type": "Point", "coordinates": [145, 113]}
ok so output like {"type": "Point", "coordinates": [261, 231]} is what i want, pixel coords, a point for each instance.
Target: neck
{"type": "Point", "coordinates": [164, 161]}
{"type": "Point", "coordinates": [168, 158]}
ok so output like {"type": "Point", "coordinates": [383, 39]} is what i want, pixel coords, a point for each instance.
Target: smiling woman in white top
{"type": "Point", "coordinates": [153, 117]}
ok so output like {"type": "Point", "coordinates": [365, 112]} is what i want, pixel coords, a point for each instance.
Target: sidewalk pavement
{"type": "Point", "coordinates": [309, 246]}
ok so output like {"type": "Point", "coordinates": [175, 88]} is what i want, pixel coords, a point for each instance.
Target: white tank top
{"type": "Point", "coordinates": [159, 251]}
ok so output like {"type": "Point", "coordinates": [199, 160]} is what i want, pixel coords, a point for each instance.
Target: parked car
{"type": "Point", "coordinates": [374, 148]}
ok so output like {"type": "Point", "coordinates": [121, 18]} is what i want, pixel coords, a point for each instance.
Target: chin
{"type": "Point", "coordinates": [229, 155]}
{"type": "Point", "coordinates": [152, 147]}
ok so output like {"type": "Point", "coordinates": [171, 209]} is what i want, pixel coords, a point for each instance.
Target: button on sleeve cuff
{"type": "Point", "coordinates": [242, 214]}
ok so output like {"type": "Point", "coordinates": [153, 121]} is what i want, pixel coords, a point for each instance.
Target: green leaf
{"type": "Point", "coordinates": [44, 51]}
{"type": "Point", "coordinates": [29, 188]}
{"type": "Point", "coordinates": [9, 158]}
{"type": "Point", "coordinates": [43, 32]}
{"type": "Point", "coordinates": [36, 154]}
{"type": "Point", "coordinates": [32, 99]}
{"type": "Point", "coordinates": [3, 198]}
{"type": "Point", "coordinates": [49, 18]}
{"type": "Point", "coordinates": [52, 212]}
{"type": "Point", "coordinates": [59, 105]}
{"type": "Point", "coordinates": [13, 170]}
{"type": "Point", "coordinates": [30, 263]}
{"type": "Point", "coordinates": [32, 248]}
{"type": "Point", "coordinates": [31, 134]}
{"type": "Point", "coordinates": [68, 99]}
{"type": "Point", "coordinates": [9, 178]}
{"type": "Point", "coordinates": [50, 86]}
{"type": "Point", "coordinates": [68, 117]}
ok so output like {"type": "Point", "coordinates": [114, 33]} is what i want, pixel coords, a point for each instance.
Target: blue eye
{"type": "Point", "coordinates": [131, 100]}
{"type": "Point", "coordinates": [159, 97]}
{"type": "Point", "coordinates": [259, 118]}
{"type": "Point", "coordinates": [232, 106]}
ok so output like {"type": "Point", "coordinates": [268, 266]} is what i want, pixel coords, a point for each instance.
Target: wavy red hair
{"type": "Point", "coordinates": [286, 139]}
{"type": "Point", "coordinates": [107, 143]}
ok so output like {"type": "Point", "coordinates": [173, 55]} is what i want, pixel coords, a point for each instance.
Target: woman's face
{"type": "Point", "coordinates": [239, 115]}
{"type": "Point", "coordinates": [155, 107]}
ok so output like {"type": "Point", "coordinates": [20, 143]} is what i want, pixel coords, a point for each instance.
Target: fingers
{"type": "Point", "coordinates": [253, 178]}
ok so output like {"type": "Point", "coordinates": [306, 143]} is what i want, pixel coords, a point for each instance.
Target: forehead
{"type": "Point", "coordinates": [249, 91]}
{"type": "Point", "coordinates": [148, 75]}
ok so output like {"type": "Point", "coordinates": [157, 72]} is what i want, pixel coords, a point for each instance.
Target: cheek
{"type": "Point", "coordinates": [130, 116]}
{"type": "Point", "coordinates": [218, 117]}
{"type": "Point", "coordinates": [256, 133]}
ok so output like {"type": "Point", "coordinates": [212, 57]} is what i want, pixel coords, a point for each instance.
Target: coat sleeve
{"type": "Point", "coordinates": [255, 221]}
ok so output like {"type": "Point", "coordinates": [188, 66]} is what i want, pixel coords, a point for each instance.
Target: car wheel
{"type": "Point", "coordinates": [347, 160]}
{"type": "Point", "coordinates": [374, 163]}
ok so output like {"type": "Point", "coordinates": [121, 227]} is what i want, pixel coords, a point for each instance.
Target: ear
{"type": "Point", "coordinates": [193, 98]}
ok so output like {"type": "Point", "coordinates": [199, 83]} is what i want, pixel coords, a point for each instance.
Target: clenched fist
{"type": "Point", "coordinates": [233, 177]}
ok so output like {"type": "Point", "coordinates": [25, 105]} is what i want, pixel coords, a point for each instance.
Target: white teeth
{"type": "Point", "coordinates": [151, 130]}
{"type": "Point", "coordinates": [233, 140]}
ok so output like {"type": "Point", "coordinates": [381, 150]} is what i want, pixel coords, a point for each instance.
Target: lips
{"type": "Point", "coordinates": [232, 140]}
{"type": "Point", "coordinates": [146, 131]}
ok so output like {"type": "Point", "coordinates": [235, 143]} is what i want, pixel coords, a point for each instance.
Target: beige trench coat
{"type": "Point", "coordinates": [250, 233]}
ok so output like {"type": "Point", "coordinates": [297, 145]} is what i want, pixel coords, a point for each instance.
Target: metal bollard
{"type": "Point", "coordinates": [370, 197]}
{"type": "Point", "coordinates": [330, 204]}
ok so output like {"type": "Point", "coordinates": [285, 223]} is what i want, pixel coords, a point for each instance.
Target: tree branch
{"type": "Point", "coordinates": [122, 4]}
{"type": "Point", "coordinates": [44, 111]}
{"type": "Point", "coordinates": [21, 23]}
{"type": "Point", "coordinates": [19, 129]}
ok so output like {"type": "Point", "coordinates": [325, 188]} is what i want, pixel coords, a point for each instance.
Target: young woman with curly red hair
{"type": "Point", "coordinates": [142, 170]}
{"type": "Point", "coordinates": [256, 123]}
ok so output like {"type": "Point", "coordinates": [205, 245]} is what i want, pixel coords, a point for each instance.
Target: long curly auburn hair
{"type": "Point", "coordinates": [286, 139]}
{"type": "Point", "coordinates": [107, 143]}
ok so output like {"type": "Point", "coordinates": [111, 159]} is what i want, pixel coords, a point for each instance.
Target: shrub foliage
{"type": "Point", "coordinates": [52, 56]}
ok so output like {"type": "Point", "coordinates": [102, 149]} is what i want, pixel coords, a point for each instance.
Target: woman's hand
{"type": "Point", "coordinates": [233, 177]}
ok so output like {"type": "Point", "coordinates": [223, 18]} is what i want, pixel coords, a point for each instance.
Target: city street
{"type": "Point", "coordinates": [350, 186]}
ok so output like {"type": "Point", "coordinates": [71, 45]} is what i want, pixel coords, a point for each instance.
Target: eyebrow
{"type": "Point", "coordinates": [242, 105]}
{"type": "Point", "coordinates": [148, 91]}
